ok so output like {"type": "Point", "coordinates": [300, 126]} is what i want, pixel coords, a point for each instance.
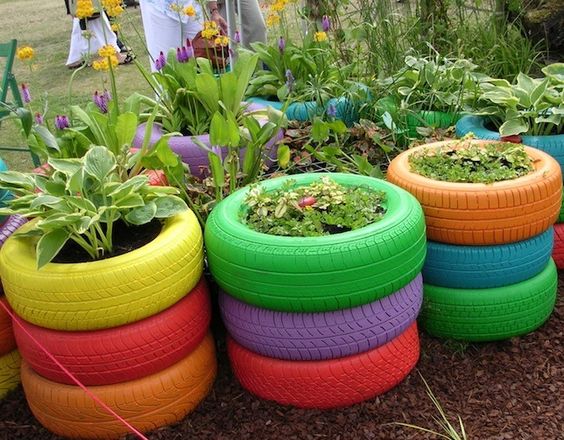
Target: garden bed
{"type": "Point", "coordinates": [503, 390]}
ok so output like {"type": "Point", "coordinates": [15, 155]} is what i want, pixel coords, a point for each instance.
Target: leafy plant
{"type": "Point", "coordinates": [530, 106]}
{"type": "Point", "coordinates": [472, 163]}
{"type": "Point", "coordinates": [321, 208]}
{"type": "Point", "coordinates": [82, 200]}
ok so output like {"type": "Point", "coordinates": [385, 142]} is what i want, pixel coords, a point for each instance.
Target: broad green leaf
{"type": "Point", "coordinates": [26, 119]}
{"type": "Point", "coordinates": [126, 128]}
{"type": "Point", "coordinates": [45, 200]}
{"type": "Point", "coordinates": [512, 127]}
{"type": "Point", "coordinates": [555, 72]}
{"type": "Point", "coordinates": [142, 215]}
{"type": "Point", "coordinates": [207, 92]}
{"type": "Point", "coordinates": [526, 83]}
{"type": "Point", "coordinates": [129, 186]}
{"type": "Point", "coordinates": [319, 130]}
{"type": "Point", "coordinates": [49, 246]}
{"type": "Point", "coordinates": [11, 179]}
{"type": "Point", "coordinates": [81, 204]}
{"type": "Point", "coordinates": [59, 220]}
{"type": "Point", "coordinates": [283, 155]}
{"type": "Point", "coordinates": [47, 137]}
{"type": "Point", "coordinates": [129, 201]}
{"type": "Point", "coordinates": [167, 206]}
{"type": "Point", "coordinates": [99, 162]}
{"type": "Point", "coordinates": [216, 168]}
{"type": "Point", "coordinates": [219, 131]}
{"type": "Point", "coordinates": [66, 166]}
{"type": "Point", "coordinates": [538, 92]}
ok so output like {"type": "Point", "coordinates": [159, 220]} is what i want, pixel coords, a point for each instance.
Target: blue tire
{"type": "Point", "coordinates": [551, 144]}
{"type": "Point", "coordinates": [482, 267]}
{"type": "Point", "coordinates": [4, 194]}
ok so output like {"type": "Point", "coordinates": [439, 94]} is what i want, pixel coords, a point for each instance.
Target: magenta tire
{"type": "Point", "coordinates": [9, 227]}
{"type": "Point", "coordinates": [318, 336]}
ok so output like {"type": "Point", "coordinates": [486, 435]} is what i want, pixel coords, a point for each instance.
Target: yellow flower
{"type": "Point", "coordinates": [279, 5]}
{"type": "Point", "coordinates": [106, 51]}
{"type": "Point", "coordinates": [272, 19]}
{"type": "Point", "coordinates": [113, 7]}
{"type": "Point", "coordinates": [210, 30]}
{"type": "Point", "coordinates": [320, 37]}
{"type": "Point", "coordinates": [210, 25]}
{"type": "Point", "coordinates": [104, 63]}
{"type": "Point", "coordinates": [25, 53]}
{"type": "Point", "coordinates": [190, 11]}
{"type": "Point", "coordinates": [222, 41]}
{"type": "Point", "coordinates": [116, 27]}
{"type": "Point", "coordinates": [84, 8]}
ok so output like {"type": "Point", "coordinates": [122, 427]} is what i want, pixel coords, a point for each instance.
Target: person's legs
{"type": "Point", "coordinates": [77, 47]}
{"type": "Point", "coordinates": [252, 22]}
{"type": "Point", "coordinates": [102, 34]}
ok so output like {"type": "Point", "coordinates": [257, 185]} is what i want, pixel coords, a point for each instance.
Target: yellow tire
{"type": "Point", "coordinates": [106, 293]}
{"type": "Point", "coordinates": [9, 372]}
{"type": "Point", "coordinates": [148, 403]}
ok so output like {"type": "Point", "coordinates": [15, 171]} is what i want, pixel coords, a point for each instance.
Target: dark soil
{"type": "Point", "coordinates": [505, 390]}
{"type": "Point", "coordinates": [124, 238]}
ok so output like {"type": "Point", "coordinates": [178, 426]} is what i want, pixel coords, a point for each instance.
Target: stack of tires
{"type": "Point", "coordinates": [488, 273]}
{"type": "Point", "coordinates": [9, 355]}
{"type": "Point", "coordinates": [320, 322]}
{"type": "Point", "coordinates": [133, 329]}
{"type": "Point", "coordinates": [550, 144]}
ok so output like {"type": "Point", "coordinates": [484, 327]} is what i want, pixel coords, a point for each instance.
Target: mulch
{"type": "Point", "coordinates": [505, 390]}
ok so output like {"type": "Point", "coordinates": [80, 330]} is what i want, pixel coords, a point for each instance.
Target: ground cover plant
{"type": "Point", "coordinates": [490, 163]}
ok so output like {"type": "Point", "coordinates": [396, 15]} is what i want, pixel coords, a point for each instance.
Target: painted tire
{"type": "Point", "coordinates": [123, 353]}
{"type": "Point", "coordinates": [3, 193]}
{"type": "Point", "coordinates": [316, 336]}
{"type": "Point", "coordinates": [194, 156]}
{"type": "Point", "coordinates": [7, 340]}
{"type": "Point", "coordinates": [9, 372]}
{"type": "Point", "coordinates": [561, 215]}
{"type": "Point", "coordinates": [558, 252]}
{"type": "Point", "coordinates": [430, 119]}
{"type": "Point", "coordinates": [106, 293]}
{"type": "Point", "coordinates": [317, 274]}
{"type": "Point", "coordinates": [480, 267]}
{"type": "Point", "coordinates": [484, 214]}
{"type": "Point", "coordinates": [330, 383]}
{"type": "Point", "coordinates": [490, 314]}
{"type": "Point", "coordinates": [9, 227]}
{"type": "Point", "coordinates": [148, 403]}
{"type": "Point", "coordinates": [552, 144]}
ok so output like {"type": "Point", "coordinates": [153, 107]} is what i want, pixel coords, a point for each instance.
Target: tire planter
{"type": "Point", "coordinates": [558, 252]}
{"type": "Point", "coordinates": [120, 354]}
{"type": "Point", "coordinates": [9, 372]}
{"type": "Point", "coordinates": [193, 155]}
{"type": "Point", "coordinates": [148, 403]}
{"type": "Point", "coordinates": [317, 274]}
{"type": "Point", "coordinates": [551, 144]}
{"type": "Point", "coordinates": [430, 119]}
{"type": "Point", "coordinates": [484, 214]}
{"type": "Point", "coordinates": [490, 314]}
{"type": "Point", "coordinates": [9, 227]}
{"type": "Point", "coordinates": [106, 293]}
{"type": "Point", "coordinates": [330, 383]}
{"type": "Point", "coordinates": [7, 340]}
{"type": "Point", "coordinates": [479, 267]}
{"type": "Point", "coordinates": [316, 336]}
{"type": "Point", "coordinates": [561, 215]}
{"type": "Point", "coordinates": [3, 193]}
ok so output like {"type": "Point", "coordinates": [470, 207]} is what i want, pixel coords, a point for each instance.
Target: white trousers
{"type": "Point", "coordinates": [253, 27]}
{"type": "Point", "coordinates": [165, 31]}
{"type": "Point", "coordinates": [101, 32]}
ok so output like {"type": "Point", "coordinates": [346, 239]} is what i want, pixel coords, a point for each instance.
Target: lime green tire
{"type": "Point", "coordinates": [490, 314]}
{"type": "Point", "coordinates": [317, 274]}
{"type": "Point", "coordinates": [9, 372]}
{"type": "Point", "coordinates": [105, 293]}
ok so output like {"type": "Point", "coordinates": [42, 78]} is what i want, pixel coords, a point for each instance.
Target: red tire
{"type": "Point", "coordinates": [558, 250]}
{"type": "Point", "coordinates": [330, 383]}
{"type": "Point", "coordinates": [120, 354]}
{"type": "Point", "coordinates": [7, 341]}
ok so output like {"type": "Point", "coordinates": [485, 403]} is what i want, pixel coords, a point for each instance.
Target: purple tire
{"type": "Point", "coordinates": [9, 227]}
{"type": "Point", "coordinates": [317, 336]}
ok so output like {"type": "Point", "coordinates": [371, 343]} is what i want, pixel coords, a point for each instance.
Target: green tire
{"type": "Point", "coordinates": [317, 274]}
{"type": "Point", "coordinates": [490, 314]}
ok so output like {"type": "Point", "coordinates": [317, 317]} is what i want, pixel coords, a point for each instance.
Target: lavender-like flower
{"type": "Point", "coordinates": [101, 100]}
{"type": "Point", "coordinates": [189, 49]}
{"type": "Point", "coordinates": [332, 110]}
{"type": "Point", "coordinates": [289, 80]}
{"type": "Point", "coordinates": [281, 44]}
{"type": "Point", "coordinates": [179, 57]}
{"type": "Point", "coordinates": [237, 37]}
{"type": "Point", "coordinates": [326, 23]}
{"type": "Point", "coordinates": [160, 62]}
{"type": "Point", "coordinates": [39, 119]}
{"type": "Point", "coordinates": [62, 122]}
{"type": "Point", "coordinates": [26, 95]}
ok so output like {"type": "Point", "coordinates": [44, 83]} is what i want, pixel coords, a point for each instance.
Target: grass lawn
{"type": "Point", "coordinates": [45, 26]}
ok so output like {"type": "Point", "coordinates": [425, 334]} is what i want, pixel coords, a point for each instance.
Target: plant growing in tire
{"type": "Point", "coordinates": [489, 208]}
{"type": "Point", "coordinates": [323, 268]}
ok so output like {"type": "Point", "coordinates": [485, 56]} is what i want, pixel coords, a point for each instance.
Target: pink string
{"type": "Point", "coordinates": [72, 377]}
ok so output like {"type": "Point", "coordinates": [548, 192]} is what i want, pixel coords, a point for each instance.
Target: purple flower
{"type": "Point", "coordinates": [179, 55]}
{"type": "Point", "coordinates": [39, 119]}
{"type": "Point", "coordinates": [332, 110]}
{"type": "Point", "coordinates": [101, 100]}
{"type": "Point", "coordinates": [189, 49]}
{"type": "Point", "coordinates": [62, 122]}
{"type": "Point", "coordinates": [160, 62]}
{"type": "Point", "coordinates": [289, 80]}
{"type": "Point", "coordinates": [237, 37]}
{"type": "Point", "coordinates": [25, 94]}
{"type": "Point", "coordinates": [326, 23]}
{"type": "Point", "coordinates": [281, 44]}
{"type": "Point", "coordinates": [107, 95]}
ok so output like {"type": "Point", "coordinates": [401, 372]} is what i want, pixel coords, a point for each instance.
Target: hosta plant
{"type": "Point", "coordinates": [82, 200]}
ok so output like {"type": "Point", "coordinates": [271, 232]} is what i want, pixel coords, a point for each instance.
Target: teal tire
{"type": "Point", "coordinates": [317, 274]}
{"type": "Point", "coordinates": [490, 314]}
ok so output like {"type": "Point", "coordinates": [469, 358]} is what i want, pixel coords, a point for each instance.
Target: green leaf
{"type": "Point", "coordinates": [555, 72]}
{"type": "Point", "coordinates": [217, 171]}
{"type": "Point", "coordinates": [129, 186]}
{"type": "Point", "coordinates": [283, 156]}
{"type": "Point", "coordinates": [319, 130]}
{"type": "Point", "coordinates": [512, 127]}
{"type": "Point", "coordinates": [49, 246]}
{"type": "Point", "coordinates": [538, 92]}
{"type": "Point", "coordinates": [142, 215]}
{"type": "Point", "coordinates": [99, 162]}
{"type": "Point", "coordinates": [168, 206]}
{"type": "Point", "coordinates": [65, 166]}
{"type": "Point", "coordinates": [219, 131]}
{"type": "Point", "coordinates": [126, 128]}
{"type": "Point", "coordinates": [47, 137]}
{"type": "Point", "coordinates": [15, 179]}
{"type": "Point", "coordinates": [130, 201]}
{"type": "Point", "coordinates": [81, 203]}
{"type": "Point", "coordinates": [26, 119]}
{"type": "Point", "coordinates": [207, 92]}
{"type": "Point", "coordinates": [45, 200]}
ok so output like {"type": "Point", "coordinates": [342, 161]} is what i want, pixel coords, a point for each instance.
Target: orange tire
{"type": "Point", "coordinates": [329, 383]}
{"type": "Point", "coordinates": [148, 403]}
{"type": "Point", "coordinates": [7, 340]}
{"type": "Point", "coordinates": [484, 214]}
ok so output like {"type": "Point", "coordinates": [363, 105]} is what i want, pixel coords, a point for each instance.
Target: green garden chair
{"type": "Point", "coordinates": [9, 83]}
